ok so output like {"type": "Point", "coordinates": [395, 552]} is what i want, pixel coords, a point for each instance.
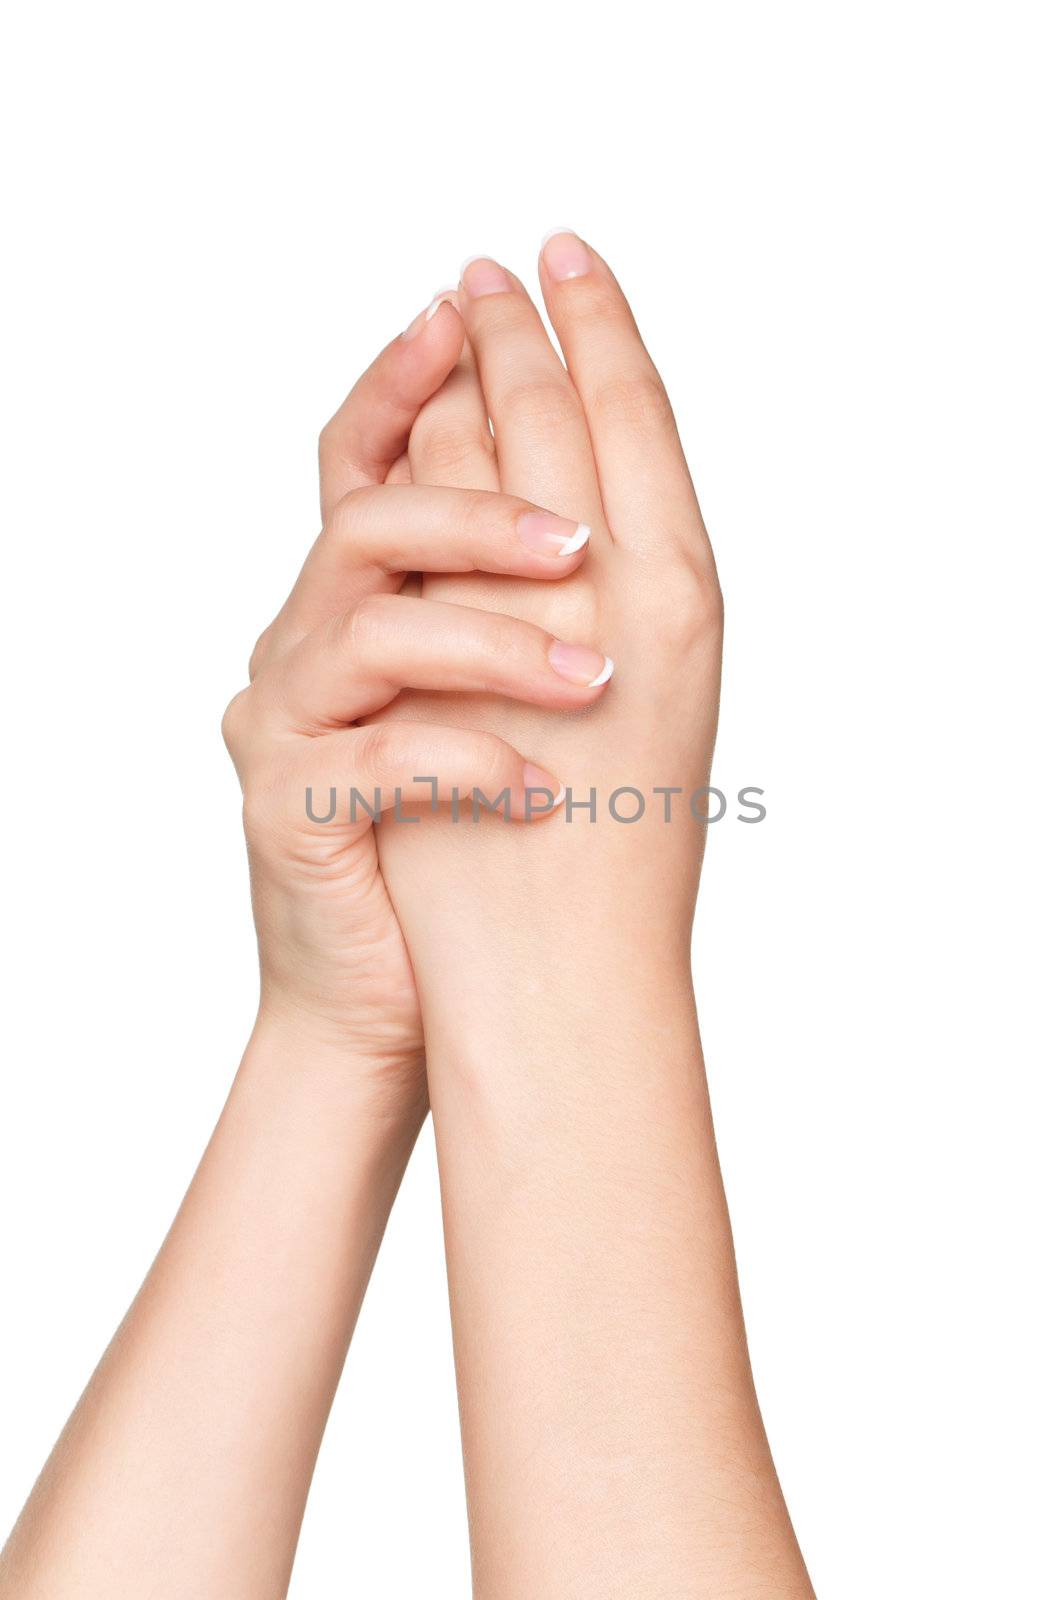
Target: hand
{"type": "Point", "coordinates": [332, 956]}
{"type": "Point", "coordinates": [598, 442]}
{"type": "Point", "coordinates": [603, 1375]}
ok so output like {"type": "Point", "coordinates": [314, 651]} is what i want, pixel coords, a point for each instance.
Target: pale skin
{"type": "Point", "coordinates": [613, 1444]}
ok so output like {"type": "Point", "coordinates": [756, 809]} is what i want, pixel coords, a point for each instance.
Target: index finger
{"type": "Point", "coordinates": [369, 431]}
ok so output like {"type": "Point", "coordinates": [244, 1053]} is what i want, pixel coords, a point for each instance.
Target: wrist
{"type": "Point", "coordinates": [550, 1024]}
{"type": "Point", "coordinates": [303, 1057]}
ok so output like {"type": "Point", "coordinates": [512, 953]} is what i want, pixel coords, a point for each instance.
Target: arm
{"type": "Point", "coordinates": [185, 1468]}
{"type": "Point", "coordinates": [613, 1441]}
{"type": "Point", "coordinates": [612, 1436]}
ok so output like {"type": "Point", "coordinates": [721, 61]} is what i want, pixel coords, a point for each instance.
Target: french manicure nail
{"type": "Point", "coordinates": [481, 276]}
{"type": "Point", "coordinates": [423, 318]}
{"type": "Point", "coordinates": [548, 535]}
{"type": "Point", "coordinates": [441, 299]}
{"type": "Point", "coordinates": [574, 662]}
{"type": "Point", "coordinates": [565, 255]}
{"type": "Point", "coordinates": [536, 778]}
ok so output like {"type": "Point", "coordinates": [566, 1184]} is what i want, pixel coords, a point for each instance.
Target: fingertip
{"type": "Point", "coordinates": [543, 794]}
{"type": "Point", "coordinates": [577, 541]}
{"type": "Point", "coordinates": [483, 275]}
{"type": "Point", "coordinates": [445, 312]}
{"type": "Point", "coordinates": [420, 360]}
{"type": "Point", "coordinates": [370, 430]}
{"type": "Point", "coordinates": [559, 539]}
{"type": "Point", "coordinates": [428, 323]}
{"type": "Point", "coordinates": [563, 255]}
{"type": "Point", "coordinates": [445, 297]}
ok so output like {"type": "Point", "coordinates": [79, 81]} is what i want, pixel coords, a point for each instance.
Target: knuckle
{"type": "Point", "coordinates": [381, 752]}
{"type": "Point", "coordinates": [504, 317]}
{"type": "Point", "coordinates": [235, 720]}
{"type": "Point", "coordinates": [596, 304]}
{"type": "Point", "coordinates": [341, 522]}
{"type": "Point", "coordinates": [364, 624]}
{"type": "Point", "coordinates": [714, 606]}
{"type": "Point", "coordinates": [326, 443]}
{"type": "Point", "coordinates": [503, 640]}
{"type": "Point", "coordinates": [636, 400]}
{"type": "Point", "coordinates": [470, 517]}
{"type": "Point", "coordinates": [573, 610]}
{"type": "Point", "coordinates": [260, 813]}
{"type": "Point", "coordinates": [541, 400]}
{"type": "Point", "coordinates": [446, 447]}
{"type": "Point", "coordinates": [257, 659]}
{"type": "Point", "coordinates": [494, 762]}
{"type": "Point", "coordinates": [689, 600]}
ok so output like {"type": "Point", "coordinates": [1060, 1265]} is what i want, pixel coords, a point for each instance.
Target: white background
{"type": "Point", "coordinates": [839, 224]}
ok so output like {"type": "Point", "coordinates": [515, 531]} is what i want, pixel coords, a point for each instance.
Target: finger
{"type": "Point", "coordinates": [645, 484]}
{"type": "Point", "coordinates": [359, 661]}
{"type": "Point", "coordinates": [408, 767]}
{"type": "Point", "coordinates": [376, 535]}
{"type": "Point", "coordinates": [451, 442]}
{"type": "Point", "coordinates": [421, 529]}
{"type": "Point", "coordinates": [370, 429]}
{"type": "Point", "coordinates": [541, 439]}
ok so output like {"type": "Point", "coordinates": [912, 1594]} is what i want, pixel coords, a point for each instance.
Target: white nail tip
{"type": "Point", "coordinates": [561, 794]}
{"type": "Point", "coordinates": [554, 233]}
{"type": "Point", "coordinates": [603, 676]}
{"type": "Point", "coordinates": [575, 541]}
{"type": "Point", "coordinates": [439, 300]}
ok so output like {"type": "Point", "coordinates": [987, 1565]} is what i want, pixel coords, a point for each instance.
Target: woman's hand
{"type": "Point", "coordinates": [613, 1443]}
{"type": "Point", "coordinates": [186, 1466]}
{"type": "Point", "coordinates": [597, 440]}
{"type": "Point", "coordinates": [345, 644]}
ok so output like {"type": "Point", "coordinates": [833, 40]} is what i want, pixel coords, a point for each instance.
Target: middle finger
{"type": "Point", "coordinates": [541, 437]}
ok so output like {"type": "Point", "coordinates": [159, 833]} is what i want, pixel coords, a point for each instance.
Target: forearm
{"type": "Point", "coordinates": [186, 1464]}
{"type": "Point", "coordinates": [612, 1436]}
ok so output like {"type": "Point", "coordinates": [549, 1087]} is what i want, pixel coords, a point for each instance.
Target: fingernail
{"type": "Point", "coordinates": [423, 318]}
{"type": "Point", "coordinates": [565, 255]}
{"type": "Point", "coordinates": [589, 668]}
{"type": "Point", "coordinates": [445, 297]}
{"type": "Point", "coordinates": [548, 535]}
{"type": "Point", "coordinates": [480, 275]}
{"type": "Point", "coordinates": [549, 793]}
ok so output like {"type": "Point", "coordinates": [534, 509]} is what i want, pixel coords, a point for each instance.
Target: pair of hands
{"type": "Point", "coordinates": [454, 620]}
{"type": "Point", "coordinates": [548, 509]}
